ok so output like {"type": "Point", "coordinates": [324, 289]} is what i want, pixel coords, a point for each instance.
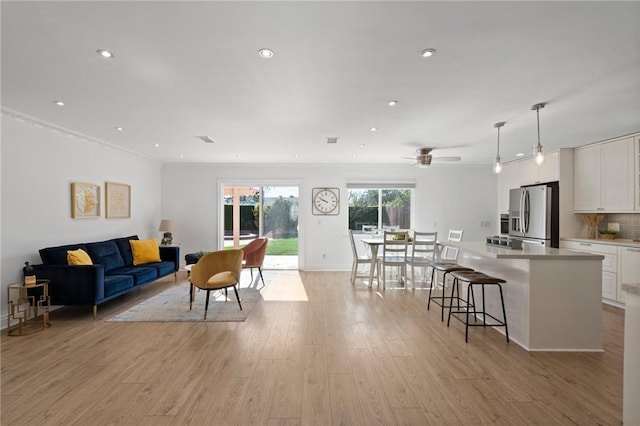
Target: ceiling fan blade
{"type": "Point", "coordinates": [452, 158]}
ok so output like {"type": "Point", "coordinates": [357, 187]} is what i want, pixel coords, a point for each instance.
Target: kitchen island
{"type": "Point", "coordinates": [553, 297]}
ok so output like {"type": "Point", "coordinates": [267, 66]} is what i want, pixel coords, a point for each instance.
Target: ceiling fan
{"type": "Point", "coordinates": [424, 157]}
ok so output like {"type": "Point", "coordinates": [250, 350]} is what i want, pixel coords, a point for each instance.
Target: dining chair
{"type": "Point", "coordinates": [423, 254]}
{"type": "Point", "coordinates": [448, 253]}
{"type": "Point", "coordinates": [394, 254]}
{"type": "Point", "coordinates": [358, 260]}
{"type": "Point", "coordinates": [217, 270]}
{"type": "Point", "coordinates": [446, 263]}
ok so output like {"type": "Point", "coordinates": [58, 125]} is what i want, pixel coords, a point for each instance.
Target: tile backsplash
{"type": "Point", "coordinates": [629, 224]}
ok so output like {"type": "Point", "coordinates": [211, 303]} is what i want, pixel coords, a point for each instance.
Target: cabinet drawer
{"type": "Point", "coordinates": [610, 261]}
{"type": "Point", "coordinates": [590, 247]}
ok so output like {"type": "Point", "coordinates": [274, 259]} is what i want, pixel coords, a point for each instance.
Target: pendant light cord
{"type": "Point", "coordinates": [538, 117]}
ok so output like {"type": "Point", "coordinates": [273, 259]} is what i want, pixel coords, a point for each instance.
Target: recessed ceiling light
{"type": "Point", "coordinates": [373, 129]}
{"type": "Point", "coordinates": [119, 129]}
{"type": "Point", "coordinates": [362, 145]}
{"type": "Point", "coordinates": [392, 103]}
{"type": "Point", "coordinates": [104, 53]}
{"type": "Point", "coordinates": [181, 155]}
{"type": "Point", "coordinates": [520, 154]}
{"type": "Point", "coordinates": [428, 52]}
{"type": "Point", "coordinates": [265, 53]}
{"type": "Point", "coordinates": [297, 156]}
{"type": "Point", "coordinates": [59, 103]}
{"type": "Point", "coordinates": [156, 145]}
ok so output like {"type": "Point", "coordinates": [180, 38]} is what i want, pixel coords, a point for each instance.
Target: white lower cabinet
{"type": "Point", "coordinates": [629, 268]}
{"type": "Point", "coordinates": [610, 286]}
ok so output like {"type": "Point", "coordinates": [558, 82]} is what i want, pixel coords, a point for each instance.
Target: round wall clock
{"type": "Point", "coordinates": [326, 201]}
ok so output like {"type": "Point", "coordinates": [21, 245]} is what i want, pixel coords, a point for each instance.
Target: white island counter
{"type": "Point", "coordinates": [553, 297]}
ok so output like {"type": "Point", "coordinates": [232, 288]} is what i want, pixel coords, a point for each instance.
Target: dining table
{"type": "Point", "coordinates": [374, 243]}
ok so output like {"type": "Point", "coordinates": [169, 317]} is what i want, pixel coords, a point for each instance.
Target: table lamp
{"type": "Point", "coordinates": [166, 226]}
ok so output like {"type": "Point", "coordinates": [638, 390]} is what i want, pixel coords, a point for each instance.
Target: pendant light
{"type": "Point", "coordinates": [498, 165]}
{"type": "Point", "coordinates": [537, 150]}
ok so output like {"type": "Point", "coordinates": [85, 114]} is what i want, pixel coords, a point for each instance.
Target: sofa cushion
{"type": "Point", "coordinates": [106, 253]}
{"type": "Point", "coordinates": [140, 274]}
{"type": "Point", "coordinates": [145, 251]}
{"type": "Point", "coordinates": [125, 249]}
{"type": "Point", "coordinates": [58, 255]}
{"type": "Point", "coordinates": [78, 257]}
{"type": "Point", "coordinates": [114, 284]}
{"type": "Point", "coordinates": [164, 268]}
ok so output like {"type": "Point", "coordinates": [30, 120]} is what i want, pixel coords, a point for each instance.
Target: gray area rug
{"type": "Point", "coordinates": [172, 305]}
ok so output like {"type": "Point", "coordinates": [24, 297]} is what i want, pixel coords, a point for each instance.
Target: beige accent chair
{"type": "Point", "coordinates": [216, 271]}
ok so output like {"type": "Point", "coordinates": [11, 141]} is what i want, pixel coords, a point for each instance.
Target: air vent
{"type": "Point", "coordinates": [206, 139]}
{"type": "Point", "coordinates": [332, 140]}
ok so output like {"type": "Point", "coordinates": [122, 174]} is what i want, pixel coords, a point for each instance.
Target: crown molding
{"type": "Point", "coordinates": [53, 128]}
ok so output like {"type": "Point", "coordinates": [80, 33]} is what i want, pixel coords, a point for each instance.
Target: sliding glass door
{"type": "Point", "coordinates": [263, 211]}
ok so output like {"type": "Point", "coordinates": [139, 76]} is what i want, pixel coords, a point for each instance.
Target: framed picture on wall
{"type": "Point", "coordinates": [118, 199]}
{"type": "Point", "coordinates": [85, 200]}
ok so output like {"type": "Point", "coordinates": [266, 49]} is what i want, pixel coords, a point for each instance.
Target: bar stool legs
{"type": "Point", "coordinates": [446, 268]}
{"type": "Point", "coordinates": [471, 314]}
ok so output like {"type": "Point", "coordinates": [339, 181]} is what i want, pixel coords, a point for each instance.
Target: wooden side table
{"type": "Point", "coordinates": [29, 305]}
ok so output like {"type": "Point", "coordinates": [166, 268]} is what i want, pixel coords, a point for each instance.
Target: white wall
{"type": "Point", "coordinates": [447, 196]}
{"type": "Point", "coordinates": [39, 162]}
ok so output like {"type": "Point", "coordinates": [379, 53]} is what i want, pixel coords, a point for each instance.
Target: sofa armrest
{"type": "Point", "coordinates": [171, 254]}
{"type": "Point", "coordinates": [73, 285]}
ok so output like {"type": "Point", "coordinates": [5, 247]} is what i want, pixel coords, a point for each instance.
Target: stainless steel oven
{"type": "Point", "coordinates": [504, 224]}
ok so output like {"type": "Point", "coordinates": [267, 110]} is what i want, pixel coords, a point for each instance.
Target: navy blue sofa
{"type": "Point", "coordinates": [111, 275]}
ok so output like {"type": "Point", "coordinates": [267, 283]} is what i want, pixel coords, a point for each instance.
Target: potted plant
{"type": "Point", "coordinates": [608, 234]}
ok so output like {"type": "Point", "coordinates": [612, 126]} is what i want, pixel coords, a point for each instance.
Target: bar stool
{"type": "Point", "coordinates": [447, 267]}
{"type": "Point", "coordinates": [475, 278]}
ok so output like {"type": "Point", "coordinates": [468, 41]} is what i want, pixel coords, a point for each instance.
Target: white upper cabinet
{"type": "Point", "coordinates": [526, 172]}
{"type": "Point", "coordinates": [636, 144]}
{"type": "Point", "coordinates": [604, 177]}
{"type": "Point", "coordinates": [508, 178]}
{"type": "Point", "coordinates": [587, 191]}
{"type": "Point", "coordinates": [532, 173]}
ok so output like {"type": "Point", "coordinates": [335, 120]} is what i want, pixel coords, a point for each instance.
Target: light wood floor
{"type": "Point", "coordinates": [348, 355]}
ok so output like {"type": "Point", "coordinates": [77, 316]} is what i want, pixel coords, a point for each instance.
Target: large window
{"type": "Point", "coordinates": [379, 208]}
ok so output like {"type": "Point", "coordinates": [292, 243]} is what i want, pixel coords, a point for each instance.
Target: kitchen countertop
{"type": "Point", "coordinates": [624, 243]}
{"type": "Point", "coordinates": [532, 252]}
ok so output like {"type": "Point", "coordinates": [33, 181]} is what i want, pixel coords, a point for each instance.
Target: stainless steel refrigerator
{"type": "Point", "coordinates": [533, 214]}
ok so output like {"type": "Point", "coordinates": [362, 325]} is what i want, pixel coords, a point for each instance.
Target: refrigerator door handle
{"type": "Point", "coordinates": [527, 211]}
{"type": "Point", "coordinates": [521, 224]}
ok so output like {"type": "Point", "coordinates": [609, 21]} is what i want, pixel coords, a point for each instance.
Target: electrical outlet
{"type": "Point", "coordinates": [612, 226]}
{"type": "Point", "coordinates": [324, 256]}
{"type": "Point", "coordinates": [485, 223]}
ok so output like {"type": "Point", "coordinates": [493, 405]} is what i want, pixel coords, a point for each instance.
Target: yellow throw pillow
{"type": "Point", "coordinates": [145, 251]}
{"type": "Point", "coordinates": [78, 257]}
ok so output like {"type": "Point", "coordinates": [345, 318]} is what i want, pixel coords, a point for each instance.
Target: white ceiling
{"type": "Point", "coordinates": [183, 69]}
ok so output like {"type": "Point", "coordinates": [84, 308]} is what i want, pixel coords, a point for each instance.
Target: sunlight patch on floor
{"type": "Point", "coordinates": [283, 286]}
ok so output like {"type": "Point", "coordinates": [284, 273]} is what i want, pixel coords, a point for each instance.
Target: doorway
{"type": "Point", "coordinates": [263, 211]}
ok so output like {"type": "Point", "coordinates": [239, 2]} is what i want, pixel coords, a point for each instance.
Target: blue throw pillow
{"type": "Point", "coordinates": [106, 253]}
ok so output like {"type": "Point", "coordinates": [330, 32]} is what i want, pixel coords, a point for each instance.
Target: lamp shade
{"type": "Point", "coordinates": [166, 225]}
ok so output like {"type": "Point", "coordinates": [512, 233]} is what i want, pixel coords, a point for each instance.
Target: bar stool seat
{"type": "Point", "coordinates": [475, 278]}
{"type": "Point", "coordinates": [447, 267]}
